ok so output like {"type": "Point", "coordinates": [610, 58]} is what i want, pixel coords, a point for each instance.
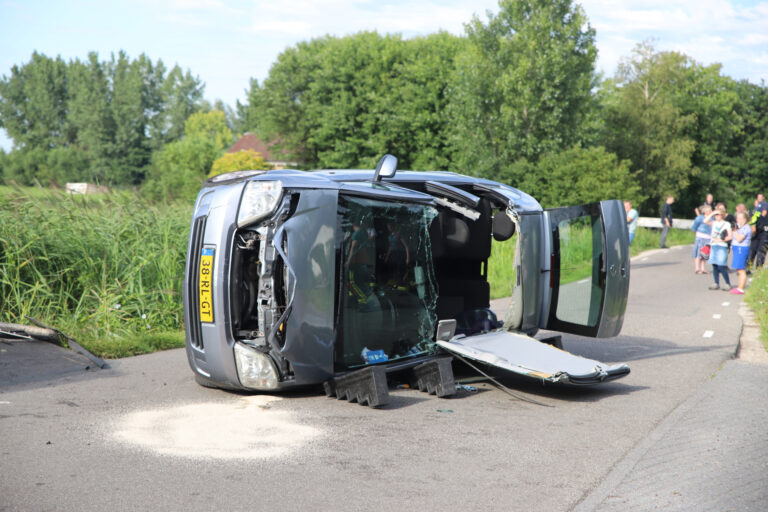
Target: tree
{"type": "Point", "coordinates": [753, 161]}
{"type": "Point", "coordinates": [180, 95]}
{"type": "Point", "coordinates": [522, 86]}
{"type": "Point", "coordinates": [238, 161]}
{"type": "Point", "coordinates": [343, 102]}
{"type": "Point", "coordinates": [33, 103]}
{"type": "Point", "coordinates": [580, 175]}
{"type": "Point", "coordinates": [211, 126]}
{"type": "Point", "coordinates": [89, 117]}
{"type": "Point", "coordinates": [643, 123]}
{"type": "Point", "coordinates": [718, 124]}
{"type": "Point", "coordinates": [178, 170]}
{"type": "Point", "coordinates": [99, 120]}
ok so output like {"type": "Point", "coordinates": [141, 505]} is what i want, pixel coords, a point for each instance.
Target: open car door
{"type": "Point", "coordinates": [585, 292]}
{"type": "Point", "coordinates": [589, 272]}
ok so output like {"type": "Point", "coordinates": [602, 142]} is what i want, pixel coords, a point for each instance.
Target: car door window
{"type": "Point", "coordinates": [581, 250]}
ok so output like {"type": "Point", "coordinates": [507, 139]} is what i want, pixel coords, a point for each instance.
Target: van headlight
{"type": "Point", "coordinates": [255, 369]}
{"type": "Point", "coordinates": [259, 199]}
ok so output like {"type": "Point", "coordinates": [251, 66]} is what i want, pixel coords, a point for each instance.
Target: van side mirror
{"type": "Point", "coordinates": [386, 168]}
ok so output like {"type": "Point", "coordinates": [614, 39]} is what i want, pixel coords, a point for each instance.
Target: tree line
{"type": "Point", "coordinates": [515, 98]}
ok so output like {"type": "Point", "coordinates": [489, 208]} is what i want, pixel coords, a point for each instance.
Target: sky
{"type": "Point", "coordinates": [227, 42]}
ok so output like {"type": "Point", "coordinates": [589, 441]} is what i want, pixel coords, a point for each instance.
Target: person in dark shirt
{"type": "Point", "coordinates": [761, 205]}
{"type": "Point", "coordinates": [759, 245]}
{"type": "Point", "coordinates": [727, 217]}
{"type": "Point", "coordinates": [666, 220]}
{"type": "Point", "coordinates": [710, 201]}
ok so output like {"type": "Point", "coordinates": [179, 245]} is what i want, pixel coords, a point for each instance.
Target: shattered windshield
{"type": "Point", "coordinates": [388, 296]}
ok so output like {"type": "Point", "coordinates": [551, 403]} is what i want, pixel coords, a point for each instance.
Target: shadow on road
{"type": "Point", "coordinates": [655, 264]}
{"type": "Point", "coordinates": [33, 363]}
{"type": "Point", "coordinates": [632, 348]}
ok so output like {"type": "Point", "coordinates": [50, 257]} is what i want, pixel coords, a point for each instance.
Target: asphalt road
{"type": "Point", "coordinates": [142, 435]}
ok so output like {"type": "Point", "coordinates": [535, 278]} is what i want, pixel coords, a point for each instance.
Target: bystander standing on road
{"type": "Point", "coordinates": [709, 201]}
{"type": "Point", "coordinates": [727, 217]}
{"type": "Point", "coordinates": [666, 220]}
{"type": "Point", "coordinates": [759, 223]}
{"type": "Point", "coordinates": [631, 220]}
{"type": "Point", "coordinates": [761, 205]}
{"type": "Point", "coordinates": [718, 257]}
{"type": "Point", "coordinates": [741, 239]}
{"type": "Point", "coordinates": [703, 235]}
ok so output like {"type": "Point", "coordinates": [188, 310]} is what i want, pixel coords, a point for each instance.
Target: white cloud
{"type": "Point", "coordinates": [755, 39]}
{"type": "Point", "coordinates": [340, 17]}
{"type": "Point", "coordinates": [708, 31]}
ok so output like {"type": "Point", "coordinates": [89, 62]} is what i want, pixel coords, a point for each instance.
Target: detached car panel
{"type": "Point", "coordinates": [297, 278]}
{"type": "Point", "coordinates": [526, 356]}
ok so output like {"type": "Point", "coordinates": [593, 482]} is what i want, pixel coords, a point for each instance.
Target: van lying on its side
{"type": "Point", "coordinates": [297, 278]}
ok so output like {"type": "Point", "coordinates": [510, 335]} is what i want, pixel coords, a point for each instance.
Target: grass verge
{"type": "Point", "coordinates": [756, 296]}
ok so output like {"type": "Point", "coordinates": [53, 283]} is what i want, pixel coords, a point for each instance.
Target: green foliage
{"type": "Point", "coordinates": [579, 176]}
{"type": "Point", "coordinates": [644, 124]}
{"type": "Point", "coordinates": [732, 139]}
{"type": "Point", "coordinates": [343, 102]}
{"type": "Point", "coordinates": [212, 126]}
{"type": "Point", "coordinates": [522, 86]}
{"type": "Point", "coordinates": [33, 103]}
{"type": "Point", "coordinates": [179, 169]}
{"type": "Point", "coordinates": [107, 270]}
{"type": "Point", "coordinates": [103, 119]}
{"type": "Point", "coordinates": [238, 161]}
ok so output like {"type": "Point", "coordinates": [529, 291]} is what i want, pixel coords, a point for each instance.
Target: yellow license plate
{"type": "Point", "coordinates": [206, 285]}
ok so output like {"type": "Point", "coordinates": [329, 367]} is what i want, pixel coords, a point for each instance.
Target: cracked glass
{"type": "Point", "coordinates": [388, 293]}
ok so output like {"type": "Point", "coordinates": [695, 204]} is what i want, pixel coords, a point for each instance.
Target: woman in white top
{"type": "Point", "coordinates": [718, 257]}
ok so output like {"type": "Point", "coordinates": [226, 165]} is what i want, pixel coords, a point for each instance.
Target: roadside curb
{"type": "Point", "coordinates": [750, 347]}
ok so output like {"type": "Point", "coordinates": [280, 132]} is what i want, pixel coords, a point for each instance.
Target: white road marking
{"type": "Point", "coordinates": [725, 304]}
{"type": "Point", "coordinates": [708, 334]}
{"type": "Point", "coordinates": [717, 316]}
{"type": "Point", "coordinates": [583, 281]}
{"type": "Point", "coordinates": [4, 402]}
{"type": "Point", "coordinates": [643, 259]}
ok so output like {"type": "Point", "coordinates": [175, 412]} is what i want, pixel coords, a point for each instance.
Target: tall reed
{"type": "Point", "coordinates": [105, 269]}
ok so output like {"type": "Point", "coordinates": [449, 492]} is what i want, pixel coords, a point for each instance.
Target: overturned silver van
{"type": "Point", "coordinates": [344, 276]}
